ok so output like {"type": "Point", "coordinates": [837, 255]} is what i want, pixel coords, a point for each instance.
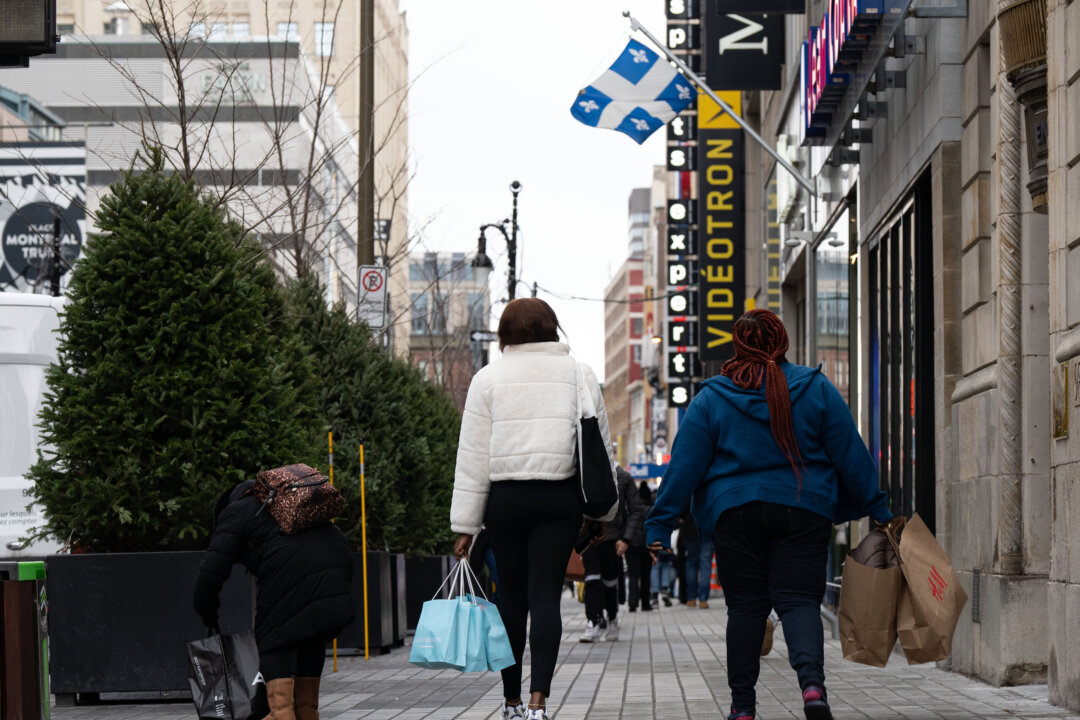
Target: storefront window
{"type": "Point", "coordinates": [901, 348]}
{"type": "Point", "coordinates": [832, 297]}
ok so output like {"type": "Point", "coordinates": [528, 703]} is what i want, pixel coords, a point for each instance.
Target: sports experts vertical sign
{"type": "Point", "coordinates": [722, 239]}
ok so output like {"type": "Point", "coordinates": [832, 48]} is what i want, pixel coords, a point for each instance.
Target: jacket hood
{"type": "Point", "coordinates": [752, 402]}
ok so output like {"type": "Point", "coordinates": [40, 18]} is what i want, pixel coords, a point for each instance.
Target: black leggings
{"type": "Point", "coordinates": [301, 660]}
{"type": "Point", "coordinates": [532, 525]}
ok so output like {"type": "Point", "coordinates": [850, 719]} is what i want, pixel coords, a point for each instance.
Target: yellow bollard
{"type": "Point", "coordinates": [363, 549]}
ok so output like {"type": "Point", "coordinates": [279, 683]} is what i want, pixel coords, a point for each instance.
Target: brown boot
{"type": "Point", "coordinates": [279, 693]}
{"type": "Point", "coordinates": [766, 644]}
{"type": "Point", "coordinates": [307, 698]}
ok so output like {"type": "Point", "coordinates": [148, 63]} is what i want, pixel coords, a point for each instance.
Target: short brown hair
{"type": "Point", "coordinates": [527, 320]}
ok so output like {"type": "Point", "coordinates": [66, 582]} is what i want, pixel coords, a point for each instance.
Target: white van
{"type": "Point", "coordinates": [28, 341]}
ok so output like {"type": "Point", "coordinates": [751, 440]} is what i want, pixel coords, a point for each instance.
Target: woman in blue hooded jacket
{"type": "Point", "coordinates": [770, 458]}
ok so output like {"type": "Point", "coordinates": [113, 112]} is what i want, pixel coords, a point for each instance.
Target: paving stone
{"type": "Point", "coordinates": [669, 664]}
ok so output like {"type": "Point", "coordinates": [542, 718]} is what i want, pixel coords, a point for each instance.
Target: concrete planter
{"type": "Point", "coordinates": [380, 607]}
{"type": "Point", "coordinates": [423, 576]}
{"type": "Point", "coordinates": [118, 622]}
{"type": "Point", "coordinates": [397, 586]}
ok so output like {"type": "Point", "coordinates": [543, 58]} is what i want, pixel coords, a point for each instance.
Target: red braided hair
{"type": "Point", "coordinates": [760, 341]}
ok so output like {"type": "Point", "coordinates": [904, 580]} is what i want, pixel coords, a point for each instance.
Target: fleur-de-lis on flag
{"type": "Point", "coordinates": [637, 95]}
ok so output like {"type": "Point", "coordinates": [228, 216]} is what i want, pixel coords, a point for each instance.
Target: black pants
{"type": "Point", "coordinates": [773, 556]}
{"type": "Point", "coordinates": [303, 660]}
{"type": "Point", "coordinates": [601, 581]}
{"type": "Point", "coordinates": [532, 525]}
{"type": "Point", "coordinates": [639, 570]}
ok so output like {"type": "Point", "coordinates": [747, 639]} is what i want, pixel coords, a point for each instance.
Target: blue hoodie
{"type": "Point", "coordinates": [725, 456]}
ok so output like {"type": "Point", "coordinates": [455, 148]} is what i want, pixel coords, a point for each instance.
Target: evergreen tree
{"type": "Point", "coordinates": [408, 427]}
{"type": "Point", "coordinates": [174, 380]}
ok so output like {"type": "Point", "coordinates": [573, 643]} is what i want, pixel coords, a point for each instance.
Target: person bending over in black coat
{"type": "Point", "coordinates": [303, 595]}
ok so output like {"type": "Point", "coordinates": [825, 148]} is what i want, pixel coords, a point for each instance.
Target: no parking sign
{"type": "Point", "coordinates": [371, 300]}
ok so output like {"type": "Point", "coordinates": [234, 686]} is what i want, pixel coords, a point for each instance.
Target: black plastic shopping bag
{"type": "Point", "coordinates": [224, 677]}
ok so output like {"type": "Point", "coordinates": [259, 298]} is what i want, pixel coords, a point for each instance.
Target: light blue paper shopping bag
{"type": "Point", "coordinates": [442, 634]}
{"type": "Point", "coordinates": [499, 653]}
{"type": "Point", "coordinates": [488, 629]}
{"type": "Point", "coordinates": [464, 632]}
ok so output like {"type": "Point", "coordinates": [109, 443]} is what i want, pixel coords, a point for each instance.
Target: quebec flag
{"type": "Point", "coordinates": [637, 95]}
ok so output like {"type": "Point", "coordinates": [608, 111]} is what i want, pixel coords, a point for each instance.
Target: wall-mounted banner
{"type": "Point", "coordinates": [682, 129]}
{"type": "Point", "coordinates": [682, 9]}
{"type": "Point", "coordinates": [680, 395]}
{"type": "Point", "coordinates": [682, 212]}
{"type": "Point", "coordinates": [681, 272]}
{"type": "Point", "coordinates": [744, 51]}
{"type": "Point", "coordinates": [722, 256]}
{"type": "Point", "coordinates": [768, 6]}
{"type": "Point", "coordinates": [772, 248]}
{"type": "Point", "coordinates": [840, 54]}
{"type": "Point", "coordinates": [40, 182]}
{"type": "Point", "coordinates": [681, 158]}
{"type": "Point", "coordinates": [682, 37]}
{"type": "Point", "coordinates": [681, 240]}
{"type": "Point", "coordinates": [682, 302]}
{"type": "Point", "coordinates": [682, 333]}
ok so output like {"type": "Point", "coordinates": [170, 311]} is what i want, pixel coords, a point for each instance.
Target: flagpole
{"type": "Point", "coordinates": [635, 25]}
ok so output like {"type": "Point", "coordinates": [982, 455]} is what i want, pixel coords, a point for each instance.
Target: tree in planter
{"type": "Point", "coordinates": [172, 383]}
{"type": "Point", "coordinates": [409, 429]}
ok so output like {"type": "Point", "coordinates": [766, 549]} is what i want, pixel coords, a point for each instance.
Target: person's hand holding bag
{"type": "Point", "coordinates": [462, 545]}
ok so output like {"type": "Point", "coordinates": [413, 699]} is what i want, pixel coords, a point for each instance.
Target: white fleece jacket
{"type": "Point", "coordinates": [520, 423]}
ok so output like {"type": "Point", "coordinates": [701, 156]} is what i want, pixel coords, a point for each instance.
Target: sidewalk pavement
{"type": "Point", "coordinates": [668, 664]}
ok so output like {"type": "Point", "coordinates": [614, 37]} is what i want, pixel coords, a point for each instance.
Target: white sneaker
{"type": "Point", "coordinates": [513, 712]}
{"type": "Point", "coordinates": [612, 633]}
{"type": "Point", "coordinates": [537, 714]}
{"type": "Point", "coordinates": [591, 634]}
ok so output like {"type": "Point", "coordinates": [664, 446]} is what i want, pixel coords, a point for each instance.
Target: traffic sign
{"type": "Point", "coordinates": [371, 296]}
{"type": "Point", "coordinates": [483, 336]}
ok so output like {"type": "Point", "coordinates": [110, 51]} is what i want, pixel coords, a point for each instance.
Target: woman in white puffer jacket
{"type": "Point", "coordinates": [517, 475]}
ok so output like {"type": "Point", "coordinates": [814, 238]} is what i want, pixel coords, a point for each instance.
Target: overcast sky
{"type": "Point", "coordinates": [494, 82]}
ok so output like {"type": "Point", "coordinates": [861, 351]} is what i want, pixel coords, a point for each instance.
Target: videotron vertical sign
{"type": "Point", "coordinates": [721, 226]}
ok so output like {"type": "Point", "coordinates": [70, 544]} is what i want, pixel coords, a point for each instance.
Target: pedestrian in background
{"type": "Point", "coordinates": [303, 595]}
{"type": "Point", "coordinates": [680, 563]}
{"type": "Point", "coordinates": [517, 476]}
{"type": "Point", "coordinates": [771, 456]}
{"type": "Point", "coordinates": [638, 560]}
{"type": "Point", "coordinates": [699, 555]}
{"type": "Point", "coordinates": [603, 562]}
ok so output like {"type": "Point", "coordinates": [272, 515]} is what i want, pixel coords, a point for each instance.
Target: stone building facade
{"type": "Point", "coordinates": [449, 300]}
{"type": "Point", "coordinates": [933, 276]}
{"type": "Point", "coordinates": [623, 339]}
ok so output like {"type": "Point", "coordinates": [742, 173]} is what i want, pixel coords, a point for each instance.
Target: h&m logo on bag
{"type": "Point", "coordinates": [937, 584]}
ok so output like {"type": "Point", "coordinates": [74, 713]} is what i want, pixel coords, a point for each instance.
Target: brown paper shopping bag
{"type": "Point", "coordinates": [868, 596]}
{"type": "Point", "coordinates": [931, 600]}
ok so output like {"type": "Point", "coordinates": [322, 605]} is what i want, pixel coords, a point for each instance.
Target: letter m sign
{"type": "Point", "coordinates": [743, 51]}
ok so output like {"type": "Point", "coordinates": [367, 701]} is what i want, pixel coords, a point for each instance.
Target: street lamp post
{"type": "Point", "coordinates": [482, 259]}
